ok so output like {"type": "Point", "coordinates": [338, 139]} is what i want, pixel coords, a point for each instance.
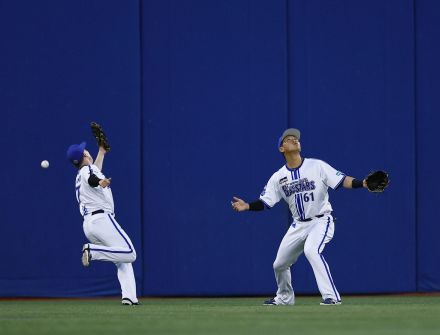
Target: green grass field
{"type": "Point", "coordinates": [357, 315]}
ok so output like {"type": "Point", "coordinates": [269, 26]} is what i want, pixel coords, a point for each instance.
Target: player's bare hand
{"type": "Point", "coordinates": [105, 182]}
{"type": "Point", "coordinates": [239, 205]}
{"type": "Point", "coordinates": [102, 150]}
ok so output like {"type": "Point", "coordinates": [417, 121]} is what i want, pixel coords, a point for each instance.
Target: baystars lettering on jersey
{"type": "Point", "coordinates": [89, 198]}
{"type": "Point", "coordinates": [303, 188]}
{"type": "Point", "coordinates": [298, 186]}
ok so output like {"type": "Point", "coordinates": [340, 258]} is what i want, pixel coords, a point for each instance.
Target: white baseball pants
{"type": "Point", "coordinates": [309, 237]}
{"type": "Point", "coordinates": [109, 242]}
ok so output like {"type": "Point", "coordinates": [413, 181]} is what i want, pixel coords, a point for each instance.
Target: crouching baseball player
{"type": "Point", "coordinates": [108, 241]}
{"type": "Point", "coordinates": [303, 183]}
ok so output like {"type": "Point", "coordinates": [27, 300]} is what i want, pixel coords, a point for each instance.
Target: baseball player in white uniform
{"type": "Point", "coordinates": [303, 183]}
{"type": "Point", "coordinates": [108, 241]}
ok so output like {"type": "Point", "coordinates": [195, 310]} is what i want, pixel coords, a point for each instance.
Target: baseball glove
{"type": "Point", "coordinates": [99, 135]}
{"type": "Point", "coordinates": [377, 181]}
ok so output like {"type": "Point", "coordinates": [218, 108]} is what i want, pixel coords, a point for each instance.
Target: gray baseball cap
{"type": "Point", "coordinates": [289, 132]}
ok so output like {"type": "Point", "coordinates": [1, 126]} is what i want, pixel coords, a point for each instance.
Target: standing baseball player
{"type": "Point", "coordinates": [303, 183]}
{"type": "Point", "coordinates": [108, 241]}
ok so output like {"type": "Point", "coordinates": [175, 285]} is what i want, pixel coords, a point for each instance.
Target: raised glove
{"type": "Point", "coordinates": [377, 181]}
{"type": "Point", "coordinates": [99, 135]}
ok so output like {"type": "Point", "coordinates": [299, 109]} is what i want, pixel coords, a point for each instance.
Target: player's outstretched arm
{"type": "Point", "coordinates": [348, 183]}
{"type": "Point", "coordinates": [239, 205]}
{"type": "Point", "coordinates": [375, 182]}
{"type": "Point", "coordinates": [99, 161]}
{"type": "Point", "coordinates": [102, 141]}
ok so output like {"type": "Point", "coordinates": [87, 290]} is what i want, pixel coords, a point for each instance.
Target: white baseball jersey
{"type": "Point", "coordinates": [303, 188]}
{"type": "Point", "coordinates": [91, 198]}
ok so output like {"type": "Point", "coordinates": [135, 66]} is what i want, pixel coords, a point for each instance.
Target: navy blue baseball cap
{"type": "Point", "coordinates": [75, 153]}
{"type": "Point", "coordinates": [289, 132]}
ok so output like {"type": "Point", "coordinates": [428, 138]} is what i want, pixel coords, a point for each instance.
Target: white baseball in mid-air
{"type": "Point", "coordinates": [45, 164]}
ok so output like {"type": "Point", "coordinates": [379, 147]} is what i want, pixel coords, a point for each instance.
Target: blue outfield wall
{"type": "Point", "coordinates": [194, 95]}
{"type": "Point", "coordinates": [428, 118]}
{"type": "Point", "coordinates": [214, 103]}
{"type": "Point", "coordinates": [64, 64]}
{"type": "Point", "coordinates": [352, 93]}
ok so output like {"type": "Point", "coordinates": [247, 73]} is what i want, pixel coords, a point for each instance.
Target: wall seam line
{"type": "Point", "coordinates": [288, 102]}
{"type": "Point", "coordinates": [141, 139]}
{"type": "Point", "coordinates": [416, 165]}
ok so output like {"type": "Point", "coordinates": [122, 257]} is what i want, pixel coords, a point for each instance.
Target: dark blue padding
{"type": "Point", "coordinates": [68, 63]}
{"type": "Point", "coordinates": [193, 101]}
{"type": "Point", "coordinates": [351, 65]}
{"type": "Point", "coordinates": [426, 156]}
{"type": "Point", "coordinates": [214, 105]}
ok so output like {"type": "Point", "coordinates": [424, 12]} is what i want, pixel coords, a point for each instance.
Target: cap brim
{"type": "Point", "coordinates": [289, 132]}
{"type": "Point", "coordinates": [292, 132]}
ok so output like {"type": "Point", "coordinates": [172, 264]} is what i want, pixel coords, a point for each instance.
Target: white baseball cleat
{"type": "Point", "coordinates": [86, 255]}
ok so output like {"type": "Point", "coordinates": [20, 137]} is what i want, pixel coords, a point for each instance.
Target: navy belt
{"type": "Point", "coordinates": [98, 211]}
{"type": "Point", "coordinates": [305, 220]}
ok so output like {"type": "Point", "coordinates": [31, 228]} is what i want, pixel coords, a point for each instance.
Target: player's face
{"type": "Point", "coordinates": [87, 157]}
{"type": "Point", "coordinates": [291, 144]}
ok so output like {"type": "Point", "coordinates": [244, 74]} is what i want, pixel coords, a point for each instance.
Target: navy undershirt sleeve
{"type": "Point", "coordinates": [256, 205]}
{"type": "Point", "coordinates": [93, 180]}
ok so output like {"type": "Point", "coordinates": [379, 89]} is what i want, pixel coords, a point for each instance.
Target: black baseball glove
{"type": "Point", "coordinates": [99, 135]}
{"type": "Point", "coordinates": [377, 181]}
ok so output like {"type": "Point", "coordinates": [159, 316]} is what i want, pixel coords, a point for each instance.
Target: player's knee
{"type": "Point", "coordinates": [132, 256]}
{"type": "Point", "coordinates": [279, 265]}
{"type": "Point", "coordinates": [311, 252]}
